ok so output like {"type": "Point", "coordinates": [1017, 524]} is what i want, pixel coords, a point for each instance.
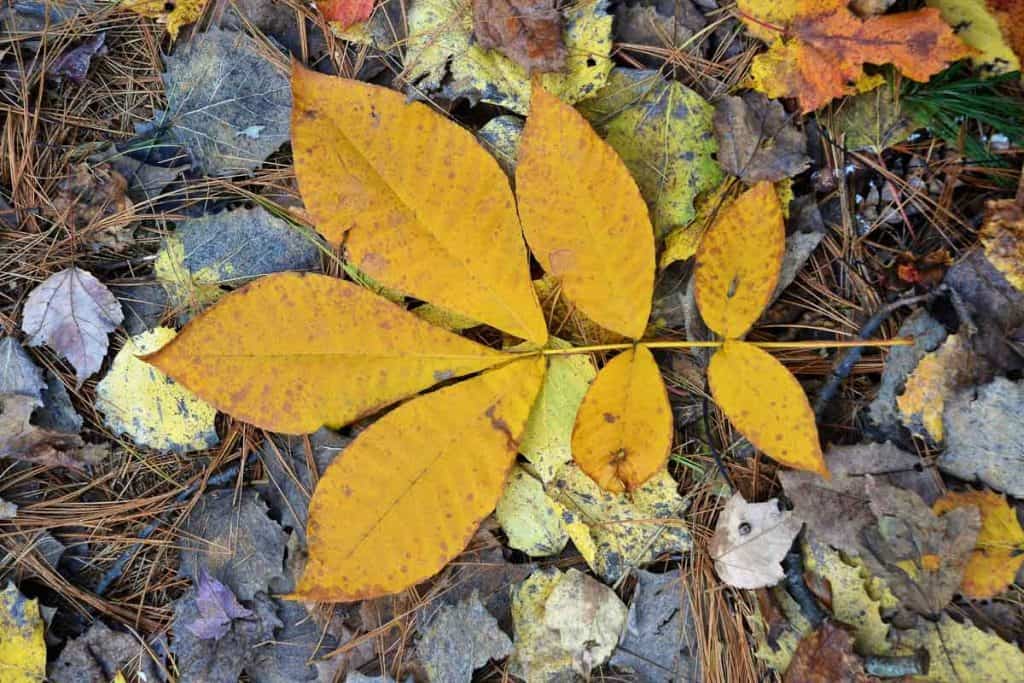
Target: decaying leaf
{"type": "Point", "coordinates": [654, 33]}
{"type": "Point", "coordinates": [872, 120]}
{"type": "Point", "coordinates": [571, 188]}
{"type": "Point", "coordinates": [72, 312]}
{"type": "Point", "coordinates": [999, 552]}
{"type": "Point", "coordinates": [757, 139]}
{"type": "Point", "coordinates": [98, 652]}
{"type": "Point", "coordinates": [538, 656]}
{"type": "Point", "coordinates": [22, 650]}
{"type": "Point", "coordinates": [1002, 235]}
{"type": "Point", "coordinates": [345, 13]}
{"type": "Point", "coordinates": [21, 440]}
{"type": "Point", "coordinates": [818, 48]}
{"type": "Point", "coordinates": [623, 430]}
{"type": "Point", "coordinates": [18, 374]}
{"type": "Point", "coordinates": [588, 617]}
{"type": "Point", "coordinates": [778, 626]}
{"type": "Point", "coordinates": [991, 27]}
{"type": "Point", "coordinates": [442, 58]}
{"type": "Point", "coordinates": [501, 137]}
{"type": "Point", "coordinates": [450, 238]}
{"type": "Point", "coordinates": [662, 132]}
{"type": "Point", "coordinates": [983, 435]}
{"type": "Point", "coordinates": [220, 85]}
{"type": "Point", "coordinates": [960, 652]}
{"type": "Point", "coordinates": [659, 643]}
{"type": "Point", "coordinates": [139, 400]}
{"type": "Point", "coordinates": [325, 366]}
{"type": "Point", "coordinates": [750, 541]}
{"type": "Point", "coordinates": [936, 377]}
{"type": "Point", "coordinates": [826, 656]}
{"type": "Point", "coordinates": [459, 639]}
{"type": "Point", "coordinates": [530, 519]}
{"type": "Point", "coordinates": [448, 451]}
{"type": "Point", "coordinates": [529, 32]}
{"type": "Point", "coordinates": [204, 255]}
{"type": "Point", "coordinates": [766, 404]}
{"type": "Point", "coordinates": [176, 15]}
{"type": "Point", "coordinates": [216, 606]}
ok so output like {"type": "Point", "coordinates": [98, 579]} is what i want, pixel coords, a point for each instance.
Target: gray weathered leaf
{"type": "Point", "coordinates": [459, 640]}
{"type": "Point", "coordinates": [219, 84]}
{"type": "Point", "coordinates": [757, 139]}
{"type": "Point", "coordinates": [21, 440]}
{"type": "Point", "coordinates": [216, 607]}
{"type": "Point", "coordinates": [57, 413]}
{"type": "Point", "coordinates": [96, 654]}
{"type": "Point", "coordinates": [72, 312]}
{"type": "Point", "coordinates": [298, 651]}
{"type": "Point", "coordinates": [18, 374]}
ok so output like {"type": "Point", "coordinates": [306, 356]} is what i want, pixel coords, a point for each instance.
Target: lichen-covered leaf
{"type": "Point", "coordinates": [529, 518]}
{"type": "Point", "coordinates": [442, 57]}
{"type": "Point", "coordinates": [988, 26]}
{"type": "Point", "coordinates": [623, 430]}
{"type": "Point", "coordinates": [447, 452]}
{"type": "Point", "coordinates": [538, 654]}
{"type": "Point", "coordinates": [936, 378]}
{"type": "Point", "coordinates": [959, 652]}
{"type": "Point", "coordinates": [139, 400]}
{"type": "Point", "coordinates": [739, 260]}
{"type": "Point", "coordinates": [293, 352]}
{"type": "Point", "coordinates": [22, 650]}
{"type": "Point", "coordinates": [426, 209]}
{"type": "Point", "coordinates": [584, 218]}
{"type": "Point", "coordinates": [176, 15]}
{"type": "Point", "coordinates": [766, 404]}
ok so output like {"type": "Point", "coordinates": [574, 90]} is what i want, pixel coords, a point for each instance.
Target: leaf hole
{"type": "Point", "coordinates": [591, 62]}
{"type": "Point", "coordinates": [744, 528]}
{"type": "Point", "coordinates": [168, 6]}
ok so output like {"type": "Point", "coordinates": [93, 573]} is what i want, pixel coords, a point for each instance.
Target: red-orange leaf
{"type": "Point", "coordinates": [345, 13]}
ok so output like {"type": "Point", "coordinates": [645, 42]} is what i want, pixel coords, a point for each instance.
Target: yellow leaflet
{"type": "Point", "coordinates": [623, 430]}
{"type": "Point", "coordinates": [584, 218]}
{"type": "Point", "coordinates": [292, 352]}
{"type": "Point", "coordinates": [408, 494]}
{"type": "Point", "coordinates": [22, 650]}
{"type": "Point", "coordinates": [999, 552]}
{"type": "Point", "coordinates": [738, 261]}
{"type": "Point", "coordinates": [176, 14]}
{"type": "Point", "coordinates": [139, 400]}
{"type": "Point", "coordinates": [427, 210]}
{"type": "Point", "coordinates": [766, 404]}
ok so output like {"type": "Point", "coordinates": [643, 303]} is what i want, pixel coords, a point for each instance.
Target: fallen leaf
{"type": "Point", "coordinates": [299, 651]}
{"type": "Point", "coordinates": [92, 656]}
{"type": "Point", "coordinates": [442, 57]}
{"type": "Point", "coordinates": [72, 312]}
{"type": "Point", "coordinates": [238, 545]}
{"type": "Point", "coordinates": [750, 541]}
{"type": "Point", "coordinates": [983, 436]}
{"type": "Point", "coordinates": [93, 199]}
{"type": "Point", "coordinates": [936, 378]}
{"type": "Point", "coordinates": [990, 27]}
{"type": "Point", "coordinates": [18, 374]}
{"type": "Point", "coordinates": [738, 261]}
{"type": "Point", "coordinates": [176, 15]}
{"type": "Point", "coordinates": [345, 13]}
{"type": "Point", "coordinates": [960, 652]}
{"type": "Point", "coordinates": [999, 552]}
{"type": "Point", "coordinates": [659, 643]}
{"type": "Point", "coordinates": [244, 91]}
{"type": "Point", "coordinates": [547, 439]}
{"type": "Point", "coordinates": [460, 639]}
{"type": "Point", "coordinates": [325, 366]}
{"type": "Point", "coordinates": [21, 440]}
{"type": "Point", "coordinates": [565, 318]}
{"type": "Point", "coordinates": [662, 132]}
{"type": "Point", "coordinates": [648, 30]}
{"type": "Point", "coordinates": [501, 137]}
{"type": "Point", "coordinates": [1002, 236]}
{"type": "Point", "coordinates": [57, 413]}
{"type": "Point", "coordinates": [764, 401]}
{"type": "Point", "coordinates": [488, 573]}
{"type": "Point", "coordinates": [529, 32]}
{"type": "Point", "coordinates": [570, 187]}
{"type": "Point", "coordinates": [818, 49]}
{"type": "Point", "coordinates": [225, 250]}
{"type": "Point", "coordinates": [779, 636]}
{"type": "Point", "coordinates": [757, 139]}
{"type": "Point", "coordinates": [216, 606]}
{"type": "Point", "coordinates": [826, 656]}
{"type": "Point", "coordinates": [529, 518]}
{"type": "Point", "coordinates": [138, 400]}
{"type": "Point", "coordinates": [22, 650]}
{"type": "Point", "coordinates": [588, 617]}
{"type": "Point", "coordinates": [74, 63]}
{"type": "Point", "coordinates": [871, 121]}
{"type": "Point", "coordinates": [623, 431]}
{"type": "Point", "coordinates": [538, 656]}
{"type": "Point", "coordinates": [450, 238]}
{"type": "Point", "coordinates": [372, 539]}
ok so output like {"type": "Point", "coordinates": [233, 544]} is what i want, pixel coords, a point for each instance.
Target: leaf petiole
{"type": "Point", "coordinates": [673, 344]}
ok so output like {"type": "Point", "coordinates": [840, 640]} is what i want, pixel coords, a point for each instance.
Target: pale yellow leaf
{"type": "Point", "coordinates": [977, 25]}
{"type": "Point", "coordinates": [408, 494]}
{"type": "Point", "coordinates": [427, 210]}
{"type": "Point", "coordinates": [961, 652]}
{"type": "Point", "coordinates": [584, 218]}
{"type": "Point", "coordinates": [22, 650]}
{"type": "Point", "coordinates": [766, 404]}
{"type": "Point", "coordinates": [529, 518]}
{"type": "Point", "coordinates": [623, 430]}
{"type": "Point", "coordinates": [176, 14]}
{"type": "Point", "coordinates": [935, 378]}
{"type": "Point", "coordinates": [292, 352]}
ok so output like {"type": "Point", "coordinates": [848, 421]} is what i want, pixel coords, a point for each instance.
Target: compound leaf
{"type": "Point", "coordinates": [410, 491]}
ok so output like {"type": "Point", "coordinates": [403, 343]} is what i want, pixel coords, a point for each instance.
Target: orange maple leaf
{"type": "Point", "coordinates": [818, 48]}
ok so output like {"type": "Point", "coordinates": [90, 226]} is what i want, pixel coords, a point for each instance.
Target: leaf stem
{"type": "Point", "coordinates": [673, 344]}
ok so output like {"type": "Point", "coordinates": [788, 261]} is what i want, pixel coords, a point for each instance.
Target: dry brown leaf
{"type": "Point", "coordinates": [757, 139]}
{"type": "Point", "coordinates": [826, 656]}
{"type": "Point", "coordinates": [529, 32]}
{"type": "Point", "coordinates": [24, 441]}
{"type": "Point", "coordinates": [750, 541]}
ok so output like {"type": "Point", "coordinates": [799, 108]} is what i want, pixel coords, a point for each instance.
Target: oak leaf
{"type": "Point", "coordinates": [529, 32]}
{"type": "Point", "coordinates": [818, 48]}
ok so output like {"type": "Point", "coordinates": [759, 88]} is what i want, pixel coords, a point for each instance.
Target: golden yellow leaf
{"type": "Point", "coordinates": [977, 22]}
{"type": "Point", "coordinates": [1002, 235]}
{"type": "Point", "coordinates": [175, 14]}
{"type": "Point", "coordinates": [292, 352]}
{"type": "Point", "coordinates": [427, 210]}
{"type": "Point", "coordinates": [584, 218]}
{"type": "Point", "coordinates": [565, 320]}
{"type": "Point", "coordinates": [935, 378]}
{"type": "Point", "coordinates": [623, 430]}
{"type": "Point", "coordinates": [766, 404]}
{"type": "Point", "coordinates": [999, 550]}
{"type": "Point", "coordinates": [408, 494]}
{"type": "Point", "coordinates": [738, 261]}
{"type": "Point", "coordinates": [22, 650]}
